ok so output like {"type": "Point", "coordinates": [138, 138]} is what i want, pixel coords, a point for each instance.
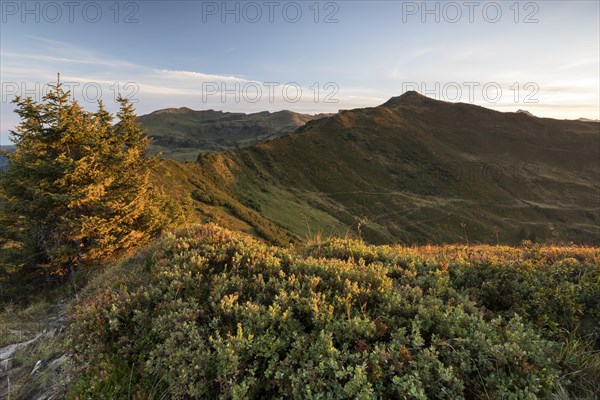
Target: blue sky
{"type": "Point", "coordinates": [306, 56]}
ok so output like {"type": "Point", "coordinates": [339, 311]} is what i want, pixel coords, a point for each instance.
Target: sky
{"type": "Point", "coordinates": [305, 56]}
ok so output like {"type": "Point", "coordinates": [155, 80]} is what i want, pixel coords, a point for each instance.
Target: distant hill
{"type": "Point", "coordinates": [182, 133]}
{"type": "Point", "coordinates": [3, 159]}
{"type": "Point", "coordinates": [525, 112]}
{"type": "Point", "coordinates": [420, 170]}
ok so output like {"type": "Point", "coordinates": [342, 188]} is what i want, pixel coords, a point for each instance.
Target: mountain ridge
{"type": "Point", "coordinates": [182, 133]}
{"type": "Point", "coordinates": [415, 169]}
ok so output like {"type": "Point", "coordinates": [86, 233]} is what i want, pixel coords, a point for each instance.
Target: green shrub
{"type": "Point", "coordinates": [207, 313]}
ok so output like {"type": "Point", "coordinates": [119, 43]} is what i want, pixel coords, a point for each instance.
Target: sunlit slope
{"type": "Point", "coordinates": [205, 195]}
{"type": "Point", "coordinates": [417, 169]}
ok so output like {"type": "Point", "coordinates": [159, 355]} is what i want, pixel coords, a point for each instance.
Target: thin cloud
{"type": "Point", "coordinates": [192, 75]}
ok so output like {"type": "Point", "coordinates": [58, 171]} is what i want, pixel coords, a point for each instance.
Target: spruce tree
{"type": "Point", "coordinates": [78, 185]}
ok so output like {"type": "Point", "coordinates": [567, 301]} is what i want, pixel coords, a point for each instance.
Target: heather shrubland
{"type": "Point", "coordinates": [209, 313]}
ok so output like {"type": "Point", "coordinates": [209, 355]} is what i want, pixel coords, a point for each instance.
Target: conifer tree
{"type": "Point", "coordinates": [78, 184]}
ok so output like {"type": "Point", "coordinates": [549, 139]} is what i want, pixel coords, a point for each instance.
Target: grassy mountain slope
{"type": "Point", "coordinates": [204, 193]}
{"type": "Point", "coordinates": [181, 133]}
{"type": "Point", "coordinates": [420, 170]}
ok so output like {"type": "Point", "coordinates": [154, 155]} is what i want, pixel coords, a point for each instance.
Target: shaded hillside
{"type": "Point", "coordinates": [417, 169]}
{"type": "Point", "coordinates": [182, 133]}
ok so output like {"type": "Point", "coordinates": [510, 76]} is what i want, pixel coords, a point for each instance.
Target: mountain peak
{"type": "Point", "coordinates": [519, 111]}
{"type": "Point", "coordinates": [409, 97]}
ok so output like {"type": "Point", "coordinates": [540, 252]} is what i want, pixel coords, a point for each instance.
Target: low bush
{"type": "Point", "coordinates": [208, 313]}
